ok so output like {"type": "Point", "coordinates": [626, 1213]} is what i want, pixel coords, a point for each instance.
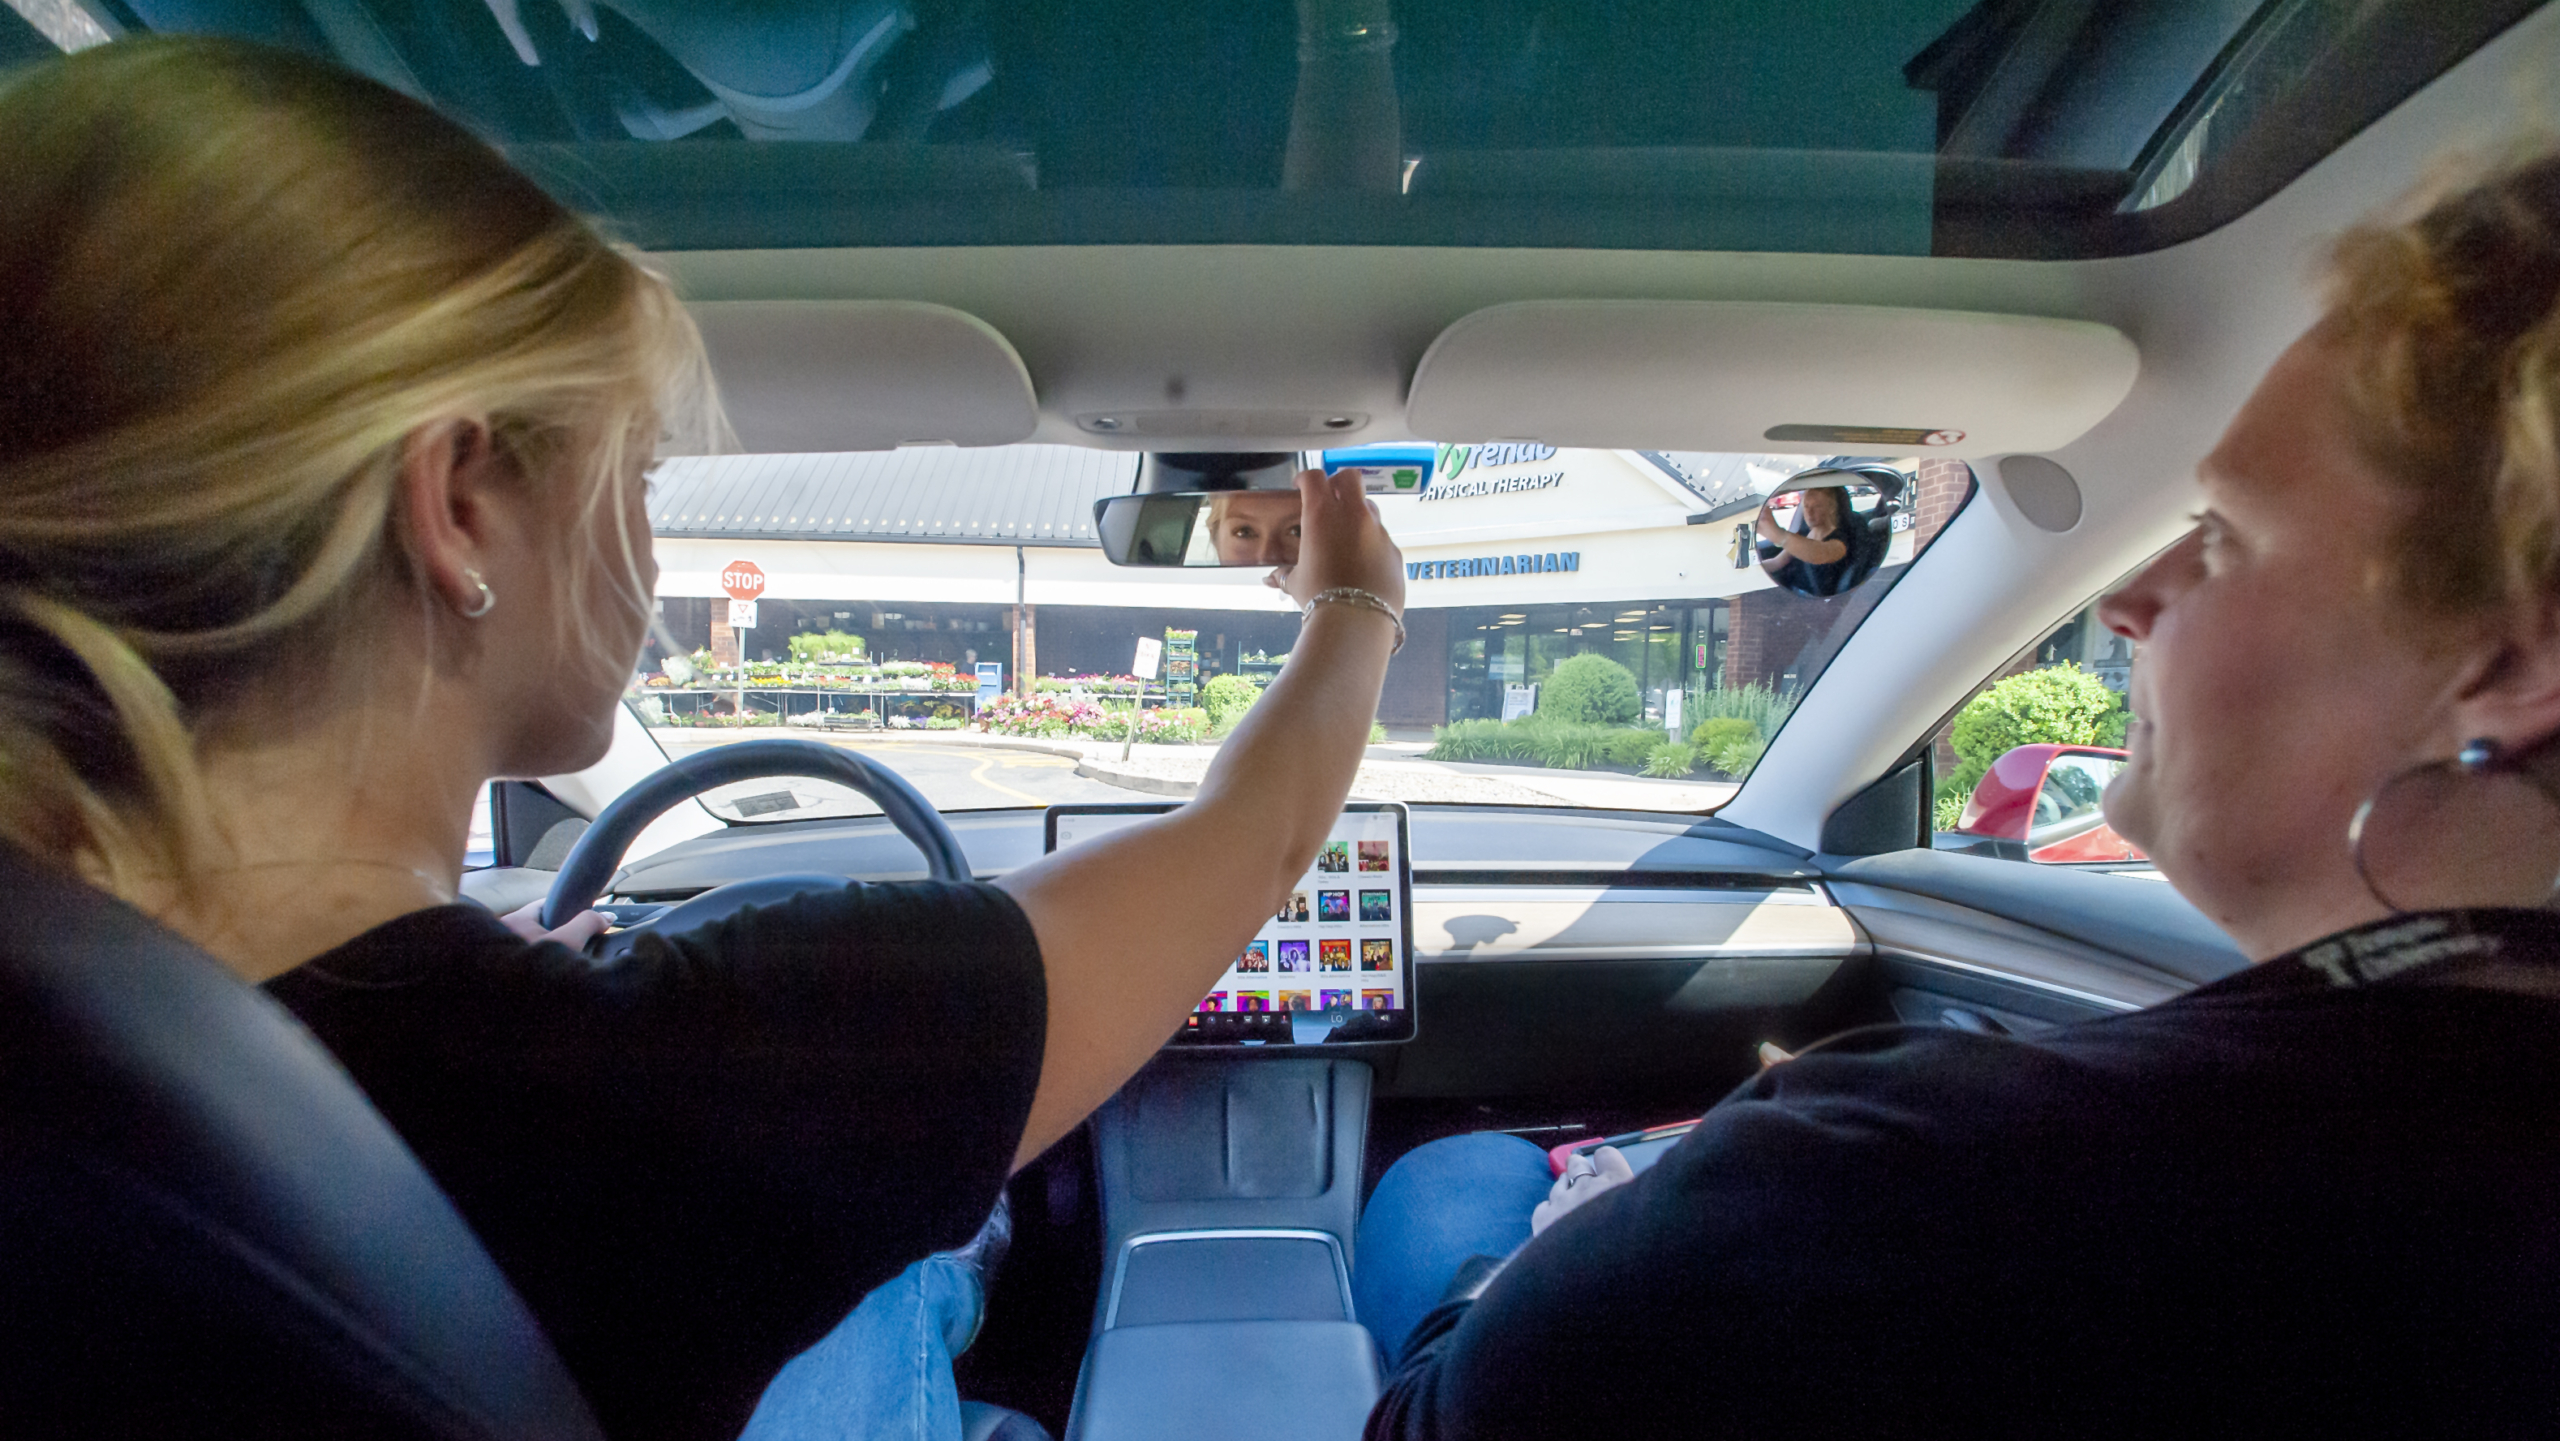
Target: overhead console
{"type": "Point", "coordinates": [1754, 376]}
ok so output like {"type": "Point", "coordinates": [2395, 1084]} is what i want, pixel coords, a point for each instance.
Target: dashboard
{"type": "Point", "coordinates": [1643, 957]}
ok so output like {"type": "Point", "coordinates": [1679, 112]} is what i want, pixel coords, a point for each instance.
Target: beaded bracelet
{"type": "Point", "coordinates": [1353, 595]}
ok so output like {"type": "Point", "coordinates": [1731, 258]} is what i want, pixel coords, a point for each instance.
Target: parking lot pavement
{"type": "Point", "coordinates": [969, 771]}
{"type": "Point", "coordinates": [953, 776]}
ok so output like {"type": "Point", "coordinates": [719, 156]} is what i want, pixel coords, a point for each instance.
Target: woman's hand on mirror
{"type": "Point", "coordinates": [1342, 542]}
{"type": "Point", "coordinates": [1586, 1175]}
{"type": "Point", "coordinates": [526, 921]}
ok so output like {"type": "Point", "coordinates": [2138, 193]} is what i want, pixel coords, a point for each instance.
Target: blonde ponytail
{"type": "Point", "coordinates": [234, 281]}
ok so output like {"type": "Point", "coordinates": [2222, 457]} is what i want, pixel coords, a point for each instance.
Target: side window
{"type": "Point", "coordinates": [2023, 766]}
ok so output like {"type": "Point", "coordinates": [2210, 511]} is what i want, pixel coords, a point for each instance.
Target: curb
{"type": "Point", "coordinates": [1150, 785]}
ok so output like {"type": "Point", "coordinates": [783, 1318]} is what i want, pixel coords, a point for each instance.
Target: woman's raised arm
{"type": "Point", "coordinates": [1136, 926]}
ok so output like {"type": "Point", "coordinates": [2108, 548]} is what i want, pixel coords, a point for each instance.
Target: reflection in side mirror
{"type": "Point", "coordinates": [1825, 532]}
{"type": "Point", "coordinates": [2044, 802]}
{"type": "Point", "coordinates": [1228, 527]}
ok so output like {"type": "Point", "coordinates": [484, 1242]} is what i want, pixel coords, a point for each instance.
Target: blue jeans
{"type": "Point", "coordinates": [885, 1370]}
{"type": "Point", "coordinates": [1439, 1204]}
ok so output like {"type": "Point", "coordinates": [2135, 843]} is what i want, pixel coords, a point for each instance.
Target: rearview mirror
{"type": "Point", "coordinates": [1227, 527]}
{"type": "Point", "coordinates": [1824, 532]}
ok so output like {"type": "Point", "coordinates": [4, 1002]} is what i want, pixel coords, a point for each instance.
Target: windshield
{"type": "Point", "coordinates": [1612, 628]}
{"type": "Point", "coordinates": [1949, 127]}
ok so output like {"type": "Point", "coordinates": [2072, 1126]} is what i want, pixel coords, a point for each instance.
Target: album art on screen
{"type": "Point", "coordinates": [1214, 1001]}
{"type": "Point", "coordinates": [1333, 955]}
{"type": "Point", "coordinates": [1377, 1000]}
{"type": "Point", "coordinates": [1377, 953]}
{"type": "Point", "coordinates": [1293, 956]}
{"type": "Point", "coordinates": [1333, 1000]}
{"type": "Point", "coordinates": [1377, 905]}
{"type": "Point", "coordinates": [1256, 957]}
{"type": "Point", "coordinates": [1253, 1000]}
{"type": "Point", "coordinates": [1336, 856]}
{"type": "Point", "coordinates": [1373, 855]}
{"type": "Point", "coordinates": [1333, 905]}
{"type": "Point", "coordinates": [1297, 1000]}
{"type": "Point", "coordinates": [1294, 909]}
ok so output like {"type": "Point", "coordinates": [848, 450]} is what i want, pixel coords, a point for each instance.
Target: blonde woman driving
{"type": "Point", "coordinates": [323, 437]}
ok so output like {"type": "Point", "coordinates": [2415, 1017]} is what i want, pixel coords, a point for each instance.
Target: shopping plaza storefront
{"type": "Point", "coordinates": [1518, 556]}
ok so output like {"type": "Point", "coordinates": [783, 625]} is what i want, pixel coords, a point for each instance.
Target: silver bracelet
{"type": "Point", "coordinates": [1353, 595]}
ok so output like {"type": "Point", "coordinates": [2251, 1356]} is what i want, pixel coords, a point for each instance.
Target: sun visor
{"type": "Point", "coordinates": [1754, 376]}
{"type": "Point", "coordinates": [799, 377]}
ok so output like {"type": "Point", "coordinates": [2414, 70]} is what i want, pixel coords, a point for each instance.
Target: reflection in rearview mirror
{"type": "Point", "coordinates": [1825, 532]}
{"type": "Point", "coordinates": [1228, 527]}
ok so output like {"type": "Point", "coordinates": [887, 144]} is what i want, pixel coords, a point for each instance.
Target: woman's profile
{"type": "Point", "coordinates": [323, 445]}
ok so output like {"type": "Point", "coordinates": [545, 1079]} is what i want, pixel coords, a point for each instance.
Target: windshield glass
{"type": "Point", "coordinates": [2027, 127]}
{"type": "Point", "coordinates": [1613, 628]}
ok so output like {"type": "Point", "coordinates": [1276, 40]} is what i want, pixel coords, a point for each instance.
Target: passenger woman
{"type": "Point", "coordinates": [323, 445]}
{"type": "Point", "coordinates": [2317, 1197]}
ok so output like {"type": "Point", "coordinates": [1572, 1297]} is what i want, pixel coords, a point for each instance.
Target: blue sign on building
{"type": "Point", "coordinates": [1474, 565]}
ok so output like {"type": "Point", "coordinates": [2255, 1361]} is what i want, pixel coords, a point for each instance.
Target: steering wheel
{"type": "Point", "coordinates": [591, 862]}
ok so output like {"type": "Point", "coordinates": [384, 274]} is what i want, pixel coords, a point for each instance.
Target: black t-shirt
{"type": "Point", "coordinates": [692, 1163]}
{"type": "Point", "coordinates": [2322, 1193]}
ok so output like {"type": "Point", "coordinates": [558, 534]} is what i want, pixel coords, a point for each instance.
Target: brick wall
{"type": "Point", "coordinates": [1938, 493]}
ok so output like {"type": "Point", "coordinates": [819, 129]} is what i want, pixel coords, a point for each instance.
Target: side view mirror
{"type": "Point", "coordinates": [1824, 532]}
{"type": "Point", "coordinates": [2041, 803]}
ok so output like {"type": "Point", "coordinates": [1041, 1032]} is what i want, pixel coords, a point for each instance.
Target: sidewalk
{"type": "Point", "coordinates": [1390, 772]}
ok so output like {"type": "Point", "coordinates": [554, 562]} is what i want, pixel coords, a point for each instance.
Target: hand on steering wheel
{"type": "Point", "coordinates": [591, 863]}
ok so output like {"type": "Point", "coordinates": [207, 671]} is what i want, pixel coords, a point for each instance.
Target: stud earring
{"type": "Point", "coordinates": [486, 599]}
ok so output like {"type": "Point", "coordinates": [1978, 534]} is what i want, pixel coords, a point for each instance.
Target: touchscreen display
{"type": "Point", "coordinates": [1334, 965]}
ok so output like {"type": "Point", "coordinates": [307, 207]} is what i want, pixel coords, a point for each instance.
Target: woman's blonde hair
{"type": "Point", "coordinates": [2449, 320]}
{"type": "Point", "coordinates": [232, 282]}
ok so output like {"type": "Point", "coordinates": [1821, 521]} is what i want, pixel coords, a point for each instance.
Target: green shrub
{"type": "Point", "coordinates": [1377, 733]}
{"type": "Point", "coordinates": [1756, 703]}
{"type": "Point", "coordinates": [1716, 732]}
{"type": "Point", "coordinates": [1736, 757]}
{"type": "Point", "coordinates": [1570, 747]}
{"type": "Point", "coordinates": [1671, 760]}
{"type": "Point", "coordinates": [1472, 740]}
{"type": "Point", "coordinates": [1590, 687]}
{"type": "Point", "coordinates": [811, 647]}
{"type": "Point", "coordinates": [1226, 698]}
{"type": "Point", "coordinates": [1948, 808]}
{"type": "Point", "coordinates": [1632, 747]}
{"type": "Point", "coordinates": [2059, 704]}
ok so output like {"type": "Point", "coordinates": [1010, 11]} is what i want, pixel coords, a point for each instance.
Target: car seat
{"type": "Point", "coordinates": [205, 1228]}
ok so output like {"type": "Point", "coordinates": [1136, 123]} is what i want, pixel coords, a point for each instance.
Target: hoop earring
{"type": "Point", "coordinates": [2465, 826]}
{"type": "Point", "coordinates": [481, 605]}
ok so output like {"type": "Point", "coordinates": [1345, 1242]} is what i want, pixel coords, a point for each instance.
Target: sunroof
{"type": "Point", "coordinates": [2006, 127]}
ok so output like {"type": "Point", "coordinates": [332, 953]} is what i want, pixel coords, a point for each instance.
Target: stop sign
{"type": "Point", "coordinates": [742, 579]}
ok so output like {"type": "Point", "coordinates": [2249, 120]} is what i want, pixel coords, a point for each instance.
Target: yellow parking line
{"type": "Point", "coordinates": [980, 776]}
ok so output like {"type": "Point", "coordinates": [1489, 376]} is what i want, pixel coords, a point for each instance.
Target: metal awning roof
{"type": "Point", "coordinates": [1001, 495]}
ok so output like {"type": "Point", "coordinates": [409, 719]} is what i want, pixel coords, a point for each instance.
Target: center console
{"type": "Point", "coordinates": [1230, 1171]}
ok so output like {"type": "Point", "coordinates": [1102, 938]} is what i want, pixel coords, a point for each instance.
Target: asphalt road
{"type": "Point", "coordinates": [953, 777]}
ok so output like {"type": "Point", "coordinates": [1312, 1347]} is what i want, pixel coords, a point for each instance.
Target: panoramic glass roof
{"type": "Point", "coordinates": [2005, 127]}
